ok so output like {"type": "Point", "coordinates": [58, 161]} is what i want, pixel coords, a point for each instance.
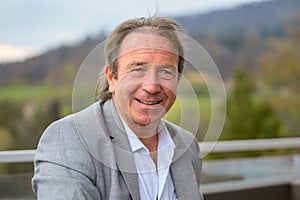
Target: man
{"type": "Point", "coordinates": [120, 147]}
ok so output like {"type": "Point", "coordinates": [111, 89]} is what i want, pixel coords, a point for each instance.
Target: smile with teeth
{"type": "Point", "coordinates": [148, 102]}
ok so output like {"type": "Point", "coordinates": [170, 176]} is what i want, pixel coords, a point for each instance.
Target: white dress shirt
{"type": "Point", "coordinates": [155, 182]}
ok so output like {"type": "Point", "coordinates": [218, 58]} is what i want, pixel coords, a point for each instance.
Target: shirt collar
{"type": "Point", "coordinates": [164, 138]}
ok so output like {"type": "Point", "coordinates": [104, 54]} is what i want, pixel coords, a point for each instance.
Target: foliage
{"type": "Point", "coordinates": [10, 118]}
{"type": "Point", "coordinates": [22, 123]}
{"type": "Point", "coordinates": [280, 77]}
{"type": "Point", "coordinates": [247, 116]}
{"type": "Point", "coordinates": [6, 141]}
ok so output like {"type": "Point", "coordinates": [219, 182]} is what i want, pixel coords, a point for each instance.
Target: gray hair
{"type": "Point", "coordinates": [158, 25]}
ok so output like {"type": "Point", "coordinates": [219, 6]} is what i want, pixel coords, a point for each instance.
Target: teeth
{"type": "Point", "coordinates": [148, 103]}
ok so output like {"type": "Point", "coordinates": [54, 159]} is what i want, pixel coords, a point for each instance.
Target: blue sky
{"type": "Point", "coordinates": [30, 27]}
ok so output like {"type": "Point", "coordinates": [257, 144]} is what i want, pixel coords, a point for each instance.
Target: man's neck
{"type": "Point", "coordinates": [148, 135]}
{"type": "Point", "coordinates": [151, 143]}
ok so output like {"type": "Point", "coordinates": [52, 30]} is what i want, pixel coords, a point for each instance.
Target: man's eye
{"type": "Point", "coordinates": [166, 74]}
{"type": "Point", "coordinates": [137, 72]}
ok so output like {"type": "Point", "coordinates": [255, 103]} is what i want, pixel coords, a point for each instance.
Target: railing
{"type": "Point", "coordinates": [216, 147]}
{"type": "Point", "coordinates": [250, 145]}
{"type": "Point", "coordinates": [19, 156]}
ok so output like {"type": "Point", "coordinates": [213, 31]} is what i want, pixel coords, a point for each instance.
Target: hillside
{"type": "Point", "coordinates": [38, 69]}
{"type": "Point", "coordinates": [223, 33]}
{"type": "Point", "coordinates": [265, 17]}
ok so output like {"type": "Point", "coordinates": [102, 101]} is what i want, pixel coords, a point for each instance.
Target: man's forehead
{"type": "Point", "coordinates": [139, 41]}
{"type": "Point", "coordinates": [149, 52]}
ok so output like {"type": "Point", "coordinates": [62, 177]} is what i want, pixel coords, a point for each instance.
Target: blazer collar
{"type": "Point", "coordinates": [184, 178]}
{"type": "Point", "coordinates": [124, 157]}
{"type": "Point", "coordinates": [182, 169]}
{"type": "Point", "coordinates": [101, 131]}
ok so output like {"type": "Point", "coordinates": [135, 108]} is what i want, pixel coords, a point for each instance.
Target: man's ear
{"type": "Point", "coordinates": [111, 80]}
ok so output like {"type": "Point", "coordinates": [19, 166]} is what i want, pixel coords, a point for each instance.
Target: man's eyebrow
{"type": "Point", "coordinates": [136, 63]}
{"type": "Point", "coordinates": [171, 67]}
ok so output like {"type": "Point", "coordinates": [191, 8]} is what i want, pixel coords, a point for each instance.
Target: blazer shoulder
{"type": "Point", "coordinates": [59, 138]}
{"type": "Point", "coordinates": [59, 128]}
{"type": "Point", "coordinates": [61, 145]}
{"type": "Point", "coordinates": [183, 139]}
{"type": "Point", "coordinates": [177, 131]}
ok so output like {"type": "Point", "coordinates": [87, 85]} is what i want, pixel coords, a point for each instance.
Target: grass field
{"type": "Point", "coordinates": [36, 93]}
{"type": "Point", "coordinates": [186, 112]}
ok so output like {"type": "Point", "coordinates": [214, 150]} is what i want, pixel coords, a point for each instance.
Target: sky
{"type": "Point", "coordinates": [30, 27]}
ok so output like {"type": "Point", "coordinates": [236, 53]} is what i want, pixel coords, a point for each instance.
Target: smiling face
{"type": "Point", "coordinates": [147, 78]}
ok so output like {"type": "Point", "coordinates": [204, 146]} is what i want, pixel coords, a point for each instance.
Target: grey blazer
{"type": "Point", "coordinates": [87, 156]}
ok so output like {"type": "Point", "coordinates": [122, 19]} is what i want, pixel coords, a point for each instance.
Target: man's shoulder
{"type": "Point", "coordinates": [183, 139]}
{"type": "Point", "coordinates": [68, 125]}
{"type": "Point", "coordinates": [79, 132]}
{"type": "Point", "coordinates": [81, 116]}
{"type": "Point", "coordinates": [175, 129]}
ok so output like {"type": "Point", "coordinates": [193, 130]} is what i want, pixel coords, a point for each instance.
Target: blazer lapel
{"type": "Point", "coordinates": [122, 150]}
{"type": "Point", "coordinates": [182, 169]}
{"type": "Point", "coordinates": [184, 178]}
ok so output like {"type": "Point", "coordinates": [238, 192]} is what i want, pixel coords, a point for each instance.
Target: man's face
{"type": "Point", "coordinates": [147, 78]}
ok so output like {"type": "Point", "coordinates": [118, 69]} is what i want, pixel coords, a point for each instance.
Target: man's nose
{"type": "Point", "coordinates": [151, 83]}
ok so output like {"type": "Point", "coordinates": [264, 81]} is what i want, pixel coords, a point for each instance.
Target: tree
{"type": "Point", "coordinates": [280, 77]}
{"type": "Point", "coordinates": [248, 115]}
{"type": "Point", "coordinates": [10, 120]}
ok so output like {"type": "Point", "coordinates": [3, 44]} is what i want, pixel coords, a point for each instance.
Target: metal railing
{"type": "Point", "coordinates": [216, 147]}
{"type": "Point", "coordinates": [18, 156]}
{"type": "Point", "coordinates": [250, 145]}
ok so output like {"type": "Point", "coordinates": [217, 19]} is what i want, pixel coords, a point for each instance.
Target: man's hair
{"type": "Point", "coordinates": [160, 26]}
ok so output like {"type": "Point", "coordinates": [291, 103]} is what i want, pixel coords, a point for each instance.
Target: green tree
{"type": "Point", "coordinates": [280, 77]}
{"type": "Point", "coordinates": [248, 115]}
{"type": "Point", "coordinates": [10, 119]}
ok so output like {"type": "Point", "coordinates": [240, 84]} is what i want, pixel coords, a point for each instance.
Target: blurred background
{"type": "Point", "coordinates": [254, 43]}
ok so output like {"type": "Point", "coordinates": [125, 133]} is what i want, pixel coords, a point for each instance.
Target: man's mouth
{"type": "Point", "coordinates": [148, 102]}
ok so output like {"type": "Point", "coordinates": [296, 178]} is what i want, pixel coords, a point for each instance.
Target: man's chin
{"type": "Point", "coordinates": [147, 121]}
